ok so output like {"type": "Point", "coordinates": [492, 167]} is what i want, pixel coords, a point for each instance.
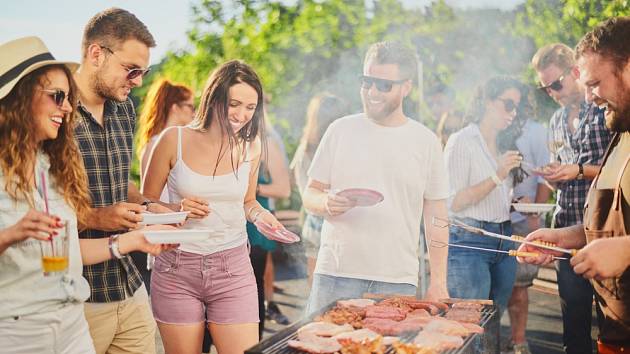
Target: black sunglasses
{"type": "Point", "coordinates": [383, 85]}
{"type": "Point", "coordinates": [556, 85]}
{"type": "Point", "coordinates": [131, 73]}
{"type": "Point", "coordinates": [57, 95]}
{"type": "Point", "coordinates": [508, 104]}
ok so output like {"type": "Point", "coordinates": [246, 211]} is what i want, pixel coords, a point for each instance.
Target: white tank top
{"type": "Point", "coordinates": [225, 195]}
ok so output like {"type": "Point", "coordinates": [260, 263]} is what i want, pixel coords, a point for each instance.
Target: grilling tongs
{"type": "Point", "coordinates": [440, 222]}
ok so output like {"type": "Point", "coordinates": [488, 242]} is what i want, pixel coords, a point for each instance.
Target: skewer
{"type": "Point", "coordinates": [439, 222]}
{"type": "Point", "coordinates": [511, 253]}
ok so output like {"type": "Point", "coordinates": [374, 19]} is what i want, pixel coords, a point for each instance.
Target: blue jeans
{"type": "Point", "coordinates": [328, 288]}
{"type": "Point", "coordinates": [474, 274]}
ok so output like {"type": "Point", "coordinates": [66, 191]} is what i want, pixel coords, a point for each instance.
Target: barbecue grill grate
{"type": "Point", "coordinates": [277, 344]}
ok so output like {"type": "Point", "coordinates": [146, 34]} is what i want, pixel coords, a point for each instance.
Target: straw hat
{"type": "Point", "coordinates": [22, 56]}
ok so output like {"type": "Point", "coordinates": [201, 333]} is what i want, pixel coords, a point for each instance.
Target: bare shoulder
{"type": "Point", "coordinates": [167, 141]}
{"type": "Point", "coordinates": [254, 148]}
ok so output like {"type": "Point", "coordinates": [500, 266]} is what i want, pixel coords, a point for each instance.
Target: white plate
{"type": "Point", "coordinates": [177, 236]}
{"type": "Point", "coordinates": [533, 207]}
{"type": "Point", "coordinates": [163, 218]}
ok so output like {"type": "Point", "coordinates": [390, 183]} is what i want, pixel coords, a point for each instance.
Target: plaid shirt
{"type": "Point", "coordinates": [107, 154]}
{"type": "Point", "coordinates": [587, 145]}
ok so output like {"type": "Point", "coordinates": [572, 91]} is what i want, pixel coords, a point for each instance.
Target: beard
{"type": "Point", "coordinates": [102, 89]}
{"type": "Point", "coordinates": [376, 114]}
{"type": "Point", "coordinates": [618, 118]}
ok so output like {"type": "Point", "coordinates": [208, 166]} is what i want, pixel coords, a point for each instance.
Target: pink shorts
{"type": "Point", "coordinates": [184, 285]}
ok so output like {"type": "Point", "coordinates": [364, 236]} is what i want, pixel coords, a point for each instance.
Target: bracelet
{"type": "Point", "coordinates": [113, 247]}
{"type": "Point", "coordinates": [496, 180]}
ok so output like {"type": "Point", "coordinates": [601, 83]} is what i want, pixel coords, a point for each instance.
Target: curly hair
{"type": "Point", "coordinates": [161, 96]}
{"type": "Point", "coordinates": [18, 147]}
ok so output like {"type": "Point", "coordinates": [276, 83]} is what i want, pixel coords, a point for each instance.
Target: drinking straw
{"type": "Point", "coordinates": [45, 192]}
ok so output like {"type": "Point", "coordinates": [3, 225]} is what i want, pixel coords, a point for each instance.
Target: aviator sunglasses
{"type": "Point", "coordinates": [556, 85]}
{"type": "Point", "coordinates": [131, 73]}
{"type": "Point", "coordinates": [57, 95]}
{"type": "Point", "coordinates": [383, 85]}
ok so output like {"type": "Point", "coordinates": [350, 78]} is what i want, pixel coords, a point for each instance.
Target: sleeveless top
{"type": "Point", "coordinates": [153, 141]}
{"type": "Point", "coordinates": [225, 195]}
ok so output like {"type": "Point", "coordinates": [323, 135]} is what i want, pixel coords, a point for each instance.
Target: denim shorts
{"type": "Point", "coordinates": [187, 287]}
{"type": "Point", "coordinates": [474, 274]}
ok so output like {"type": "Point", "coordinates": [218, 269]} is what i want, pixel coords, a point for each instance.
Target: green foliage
{"type": "Point", "coordinates": [302, 47]}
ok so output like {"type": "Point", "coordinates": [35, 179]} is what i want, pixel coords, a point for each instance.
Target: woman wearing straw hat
{"type": "Point", "coordinates": [43, 193]}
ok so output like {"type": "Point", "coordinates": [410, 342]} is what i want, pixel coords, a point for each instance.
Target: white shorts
{"type": "Point", "coordinates": [64, 331]}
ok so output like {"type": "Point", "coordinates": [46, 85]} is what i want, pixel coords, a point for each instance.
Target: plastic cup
{"type": "Point", "coordinates": [55, 252]}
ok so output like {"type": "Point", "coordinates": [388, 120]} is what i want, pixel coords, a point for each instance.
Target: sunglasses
{"type": "Point", "coordinates": [382, 85]}
{"type": "Point", "coordinates": [57, 95]}
{"type": "Point", "coordinates": [556, 85]}
{"type": "Point", "coordinates": [131, 73]}
{"type": "Point", "coordinates": [508, 104]}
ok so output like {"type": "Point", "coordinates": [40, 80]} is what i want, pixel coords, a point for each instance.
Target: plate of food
{"type": "Point", "coordinates": [163, 218]}
{"type": "Point", "coordinates": [362, 196]}
{"type": "Point", "coordinates": [535, 208]}
{"type": "Point", "coordinates": [177, 236]}
{"type": "Point", "coordinates": [279, 234]}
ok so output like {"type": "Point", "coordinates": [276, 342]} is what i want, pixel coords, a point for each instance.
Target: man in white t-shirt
{"type": "Point", "coordinates": [375, 249]}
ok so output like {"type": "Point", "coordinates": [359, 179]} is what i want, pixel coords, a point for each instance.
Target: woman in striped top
{"type": "Point", "coordinates": [481, 179]}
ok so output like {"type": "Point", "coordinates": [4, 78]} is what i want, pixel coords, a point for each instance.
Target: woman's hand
{"type": "Point", "coordinates": [34, 224]}
{"type": "Point", "coordinates": [135, 241]}
{"type": "Point", "coordinates": [198, 207]}
{"type": "Point", "coordinates": [268, 218]}
{"type": "Point", "coordinates": [509, 160]}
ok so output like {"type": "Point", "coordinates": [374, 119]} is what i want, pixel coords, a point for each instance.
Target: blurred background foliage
{"type": "Point", "coordinates": [302, 47]}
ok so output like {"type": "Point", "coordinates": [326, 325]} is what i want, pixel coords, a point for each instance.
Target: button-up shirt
{"type": "Point", "coordinates": [107, 154]}
{"type": "Point", "coordinates": [587, 146]}
{"type": "Point", "coordinates": [469, 162]}
{"type": "Point", "coordinates": [25, 289]}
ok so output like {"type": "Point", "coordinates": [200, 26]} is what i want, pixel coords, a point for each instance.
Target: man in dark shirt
{"type": "Point", "coordinates": [578, 141]}
{"type": "Point", "coordinates": [115, 55]}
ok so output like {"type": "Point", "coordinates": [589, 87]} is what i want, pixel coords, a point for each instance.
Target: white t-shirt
{"type": "Point", "coordinates": [403, 163]}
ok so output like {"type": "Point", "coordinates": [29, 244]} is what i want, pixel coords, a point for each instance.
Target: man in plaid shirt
{"type": "Point", "coordinates": [115, 53]}
{"type": "Point", "coordinates": [578, 140]}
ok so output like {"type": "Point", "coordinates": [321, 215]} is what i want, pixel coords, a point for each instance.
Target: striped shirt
{"type": "Point", "coordinates": [587, 145]}
{"type": "Point", "coordinates": [469, 162]}
{"type": "Point", "coordinates": [107, 154]}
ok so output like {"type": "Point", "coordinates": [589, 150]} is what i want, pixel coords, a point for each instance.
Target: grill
{"type": "Point", "coordinates": [277, 344]}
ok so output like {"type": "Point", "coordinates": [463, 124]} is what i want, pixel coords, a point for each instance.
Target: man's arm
{"type": "Point", "coordinates": [134, 195]}
{"type": "Point", "coordinates": [603, 258]}
{"type": "Point", "coordinates": [318, 201]}
{"type": "Point", "coordinates": [438, 253]}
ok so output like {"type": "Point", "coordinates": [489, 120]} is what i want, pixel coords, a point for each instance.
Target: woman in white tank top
{"type": "Point", "coordinates": [211, 167]}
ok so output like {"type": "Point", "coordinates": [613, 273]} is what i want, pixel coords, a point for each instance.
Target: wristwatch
{"type": "Point", "coordinates": [147, 202]}
{"type": "Point", "coordinates": [580, 174]}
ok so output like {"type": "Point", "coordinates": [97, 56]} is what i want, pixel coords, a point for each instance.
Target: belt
{"type": "Point", "coordinates": [603, 348]}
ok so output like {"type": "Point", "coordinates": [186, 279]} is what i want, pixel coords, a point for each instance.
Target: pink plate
{"type": "Point", "coordinates": [280, 234]}
{"type": "Point", "coordinates": [363, 197]}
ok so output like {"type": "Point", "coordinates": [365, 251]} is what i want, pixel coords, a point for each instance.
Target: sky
{"type": "Point", "coordinates": [60, 23]}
